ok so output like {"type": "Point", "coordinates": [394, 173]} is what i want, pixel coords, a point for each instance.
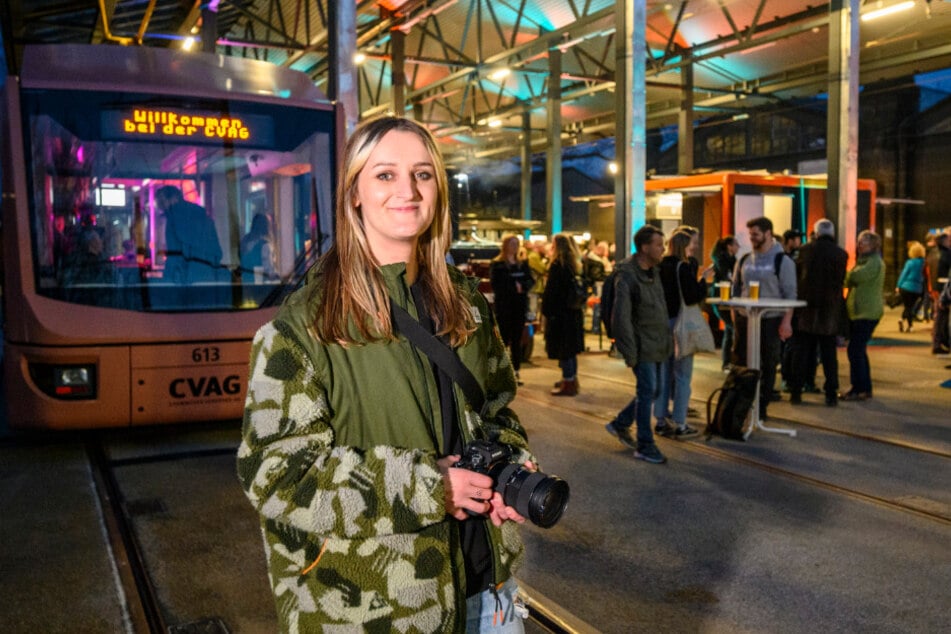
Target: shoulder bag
{"type": "Point", "coordinates": [691, 331]}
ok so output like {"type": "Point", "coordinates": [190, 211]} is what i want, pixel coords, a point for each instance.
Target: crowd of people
{"type": "Point", "coordinates": [842, 303]}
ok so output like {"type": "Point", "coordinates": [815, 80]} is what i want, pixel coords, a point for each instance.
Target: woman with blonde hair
{"type": "Point", "coordinates": [865, 306]}
{"type": "Point", "coordinates": [563, 307]}
{"type": "Point", "coordinates": [911, 284]}
{"type": "Point", "coordinates": [352, 435]}
{"type": "Point", "coordinates": [511, 280]}
{"type": "Point", "coordinates": [679, 277]}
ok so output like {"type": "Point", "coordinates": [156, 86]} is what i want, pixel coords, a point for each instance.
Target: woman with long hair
{"type": "Point", "coordinates": [724, 261]}
{"type": "Point", "coordinates": [911, 284]}
{"type": "Point", "coordinates": [352, 435]}
{"type": "Point", "coordinates": [511, 280]}
{"type": "Point", "coordinates": [679, 277]}
{"type": "Point", "coordinates": [865, 306]}
{"type": "Point", "coordinates": [564, 317]}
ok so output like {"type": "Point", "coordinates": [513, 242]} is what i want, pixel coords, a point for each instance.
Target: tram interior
{"type": "Point", "coordinates": [102, 238]}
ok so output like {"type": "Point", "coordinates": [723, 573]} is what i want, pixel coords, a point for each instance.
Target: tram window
{"type": "Point", "coordinates": [130, 211]}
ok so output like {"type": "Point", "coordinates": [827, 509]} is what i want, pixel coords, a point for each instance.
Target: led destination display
{"type": "Point", "coordinates": [196, 127]}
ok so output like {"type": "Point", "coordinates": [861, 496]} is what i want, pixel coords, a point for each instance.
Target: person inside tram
{"type": "Point", "coordinates": [352, 436]}
{"type": "Point", "coordinates": [193, 252]}
{"type": "Point", "coordinates": [257, 254]}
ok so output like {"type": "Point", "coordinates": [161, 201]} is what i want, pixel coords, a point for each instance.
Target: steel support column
{"type": "Point", "coordinates": [685, 122]}
{"type": "Point", "coordinates": [553, 155]}
{"type": "Point", "coordinates": [631, 125]}
{"type": "Point", "coordinates": [842, 138]}
{"type": "Point", "coordinates": [398, 48]}
{"type": "Point", "coordinates": [526, 167]}
{"type": "Point", "coordinates": [342, 79]}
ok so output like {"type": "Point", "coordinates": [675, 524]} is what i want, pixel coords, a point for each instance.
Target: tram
{"type": "Point", "coordinates": [157, 206]}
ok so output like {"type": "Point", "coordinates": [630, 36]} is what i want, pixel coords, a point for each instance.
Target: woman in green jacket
{"type": "Point", "coordinates": [351, 435]}
{"type": "Point", "coordinates": [865, 306]}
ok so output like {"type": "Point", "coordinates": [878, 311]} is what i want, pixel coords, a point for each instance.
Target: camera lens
{"type": "Point", "coordinates": [539, 497]}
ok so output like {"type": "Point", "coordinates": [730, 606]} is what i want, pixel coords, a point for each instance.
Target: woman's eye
{"type": "Point", "coordinates": [423, 176]}
{"type": "Point", "coordinates": [385, 176]}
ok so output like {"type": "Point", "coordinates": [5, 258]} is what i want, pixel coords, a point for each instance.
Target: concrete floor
{"type": "Point", "coordinates": [712, 541]}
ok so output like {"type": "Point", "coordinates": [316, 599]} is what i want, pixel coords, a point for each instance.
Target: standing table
{"type": "Point", "coordinates": [754, 309]}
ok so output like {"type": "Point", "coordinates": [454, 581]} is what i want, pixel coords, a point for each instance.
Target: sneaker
{"type": "Point", "coordinates": [622, 433]}
{"type": "Point", "coordinates": [664, 427]}
{"type": "Point", "coordinates": [685, 430]}
{"type": "Point", "coordinates": [650, 453]}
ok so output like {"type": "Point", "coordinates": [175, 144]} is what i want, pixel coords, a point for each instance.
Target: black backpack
{"type": "Point", "coordinates": [607, 302]}
{"type": "Point", "coordinates": [733, 405]}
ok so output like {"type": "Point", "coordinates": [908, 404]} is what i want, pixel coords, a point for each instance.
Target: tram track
{"type": "Point", "coordinates": [701, 447]}
{"type": "Point", "coordinates": [140, 594]}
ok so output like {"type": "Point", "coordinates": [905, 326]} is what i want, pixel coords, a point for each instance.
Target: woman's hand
{"type": "Point", "coordinates": [499, 513]}
{"type": "Point", "coordinates": [465, 490]}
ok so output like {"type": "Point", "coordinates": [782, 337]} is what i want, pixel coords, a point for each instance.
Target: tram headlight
{"type": "Point", "coordinates": [65, 381]}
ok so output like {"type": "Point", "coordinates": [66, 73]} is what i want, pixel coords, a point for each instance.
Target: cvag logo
{"type": "Point", "coordinates": [204, 386]}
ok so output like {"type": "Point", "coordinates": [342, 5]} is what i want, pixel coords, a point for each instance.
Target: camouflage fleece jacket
{"type": "Point", "coordinates": [338, 456]}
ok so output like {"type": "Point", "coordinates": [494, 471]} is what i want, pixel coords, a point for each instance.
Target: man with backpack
{"type": "Point", "coordinates": [643, 337]}
{"type": "Point", "coordinates": [775, 272]}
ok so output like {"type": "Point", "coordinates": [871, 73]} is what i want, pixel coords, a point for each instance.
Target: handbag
{"type": "Point", "coordinates": [691, 331]}
{"type": "Point", "coordinates": [893, 299]}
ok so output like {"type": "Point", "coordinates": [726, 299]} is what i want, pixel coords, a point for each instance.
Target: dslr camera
{"type": "Point", "coordinates": [539, 497]}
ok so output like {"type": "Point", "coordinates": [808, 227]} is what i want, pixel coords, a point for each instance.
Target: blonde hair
{"type": "Point", "coordinates": [678, 243]}
{"type": "Point", "coordinates": [354, 292]}
{"type": "Point", "coordinates": [916, 250]}
{"type": "Point", "coordinates": [565, 252]}
{"type": "Point", "coordinates": [505, 239]}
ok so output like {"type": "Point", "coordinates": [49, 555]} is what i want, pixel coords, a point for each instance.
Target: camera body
{"type": "Point", "coordinates": [539, 497]}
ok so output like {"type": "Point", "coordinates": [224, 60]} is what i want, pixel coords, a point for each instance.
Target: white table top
{"type": "Point", "coordinates": [763, 302]}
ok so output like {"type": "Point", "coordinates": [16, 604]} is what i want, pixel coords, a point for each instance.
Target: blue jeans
{"type": "Point", "coordinates": [860, 372]}
{"type": "Point", "coordinates": [648, 377]}
{"type": "Point", "coordinates": [675, 377]}
{"type": "Point", "coordinates": [505, 616]}
{"type": "Point", "coordinates": [569, 368]}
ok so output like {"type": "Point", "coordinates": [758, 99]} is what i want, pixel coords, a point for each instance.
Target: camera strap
{"type": "Point", "coordinates": [440, 354]}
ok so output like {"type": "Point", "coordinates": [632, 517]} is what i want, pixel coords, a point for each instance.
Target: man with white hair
{"type": "Point", "coordinates": [820, 273]}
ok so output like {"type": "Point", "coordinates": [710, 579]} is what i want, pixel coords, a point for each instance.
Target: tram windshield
{"type": "Point", "coordinates": [152, 203]}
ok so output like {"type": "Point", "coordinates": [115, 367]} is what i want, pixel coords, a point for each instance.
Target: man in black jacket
{"type": "Point", "coordinates": [820, 275]}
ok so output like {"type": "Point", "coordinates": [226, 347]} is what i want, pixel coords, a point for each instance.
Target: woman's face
{"type": "Point", "coordinates": [510, 248]}
{"type": "Point", "coordinates": [396, 194]}
{"type": "Point", "coordinates": [733, 247]}
{"type": "Point", "coordinates": [692, 247]}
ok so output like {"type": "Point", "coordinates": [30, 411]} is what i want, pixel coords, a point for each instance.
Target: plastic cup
{"type": "Point", "coordinates": [754, 290]}
{"type": "Point", "coordinates": [724, 290]}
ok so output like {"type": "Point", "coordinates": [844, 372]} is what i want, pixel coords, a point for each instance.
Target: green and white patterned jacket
{"type": "Point", "coordinates": [338, 456]}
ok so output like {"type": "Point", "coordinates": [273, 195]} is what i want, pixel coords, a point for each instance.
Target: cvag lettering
{"type": "Point", "coordinates": [204, 386]}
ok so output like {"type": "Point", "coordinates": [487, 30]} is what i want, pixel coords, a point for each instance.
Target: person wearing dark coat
{"type": "Point", "coordinates": [820, 277]}
{"type": "Point", "coordinates": [564, 318]}
{"type": "Point", "coordinates": [511, 280]}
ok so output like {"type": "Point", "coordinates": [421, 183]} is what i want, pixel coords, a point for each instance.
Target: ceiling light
{"type": "Point", "coordinates": [359, 58]}
{"type": "Point", "coordinates": [881, 11]}
{"type": "Point", "coordinates": [495, 123]}
{"type": "Point", "coordinates": [499, 74]}
{"type": "Point", "coordinates": [188, 44]}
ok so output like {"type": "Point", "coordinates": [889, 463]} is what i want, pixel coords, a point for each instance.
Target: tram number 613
{"type": "Point", "coordinates": [206, 355]}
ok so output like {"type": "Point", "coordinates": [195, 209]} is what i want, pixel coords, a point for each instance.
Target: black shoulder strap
{"type": "Point", "coordinates": [778, 262]}
{"type": "Point", "coordinates": [440, 354]}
